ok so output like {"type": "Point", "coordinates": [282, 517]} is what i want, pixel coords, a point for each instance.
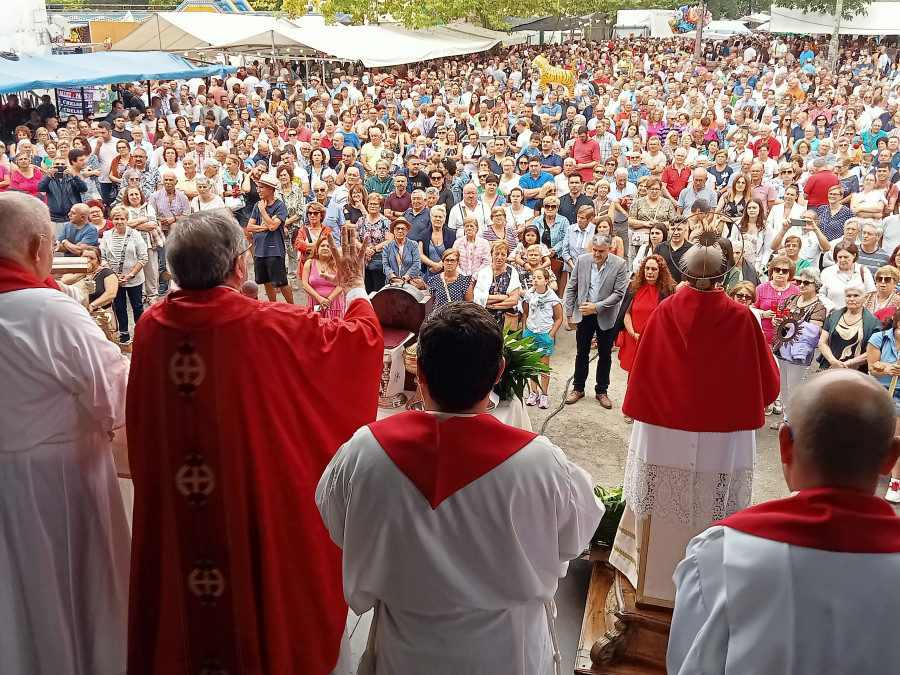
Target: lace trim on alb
{"type": "Point", "coordinates": [691, 498]}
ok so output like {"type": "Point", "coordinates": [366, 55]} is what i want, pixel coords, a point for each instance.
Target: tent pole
{"type": "Point", "coordinates": [56, 96]}
{"type": "Point", "coordinates": [273, 77]}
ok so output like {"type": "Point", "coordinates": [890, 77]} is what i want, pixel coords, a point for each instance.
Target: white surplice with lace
{"type": "Point", "coordinates": [677, 484]}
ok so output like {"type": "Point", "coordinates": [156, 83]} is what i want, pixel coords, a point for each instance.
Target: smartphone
{"type": "Point", "coordinates": [317, 308]}
{"type": "Point", "coordinates": [798, 222]}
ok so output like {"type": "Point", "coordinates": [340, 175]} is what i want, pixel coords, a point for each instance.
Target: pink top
{"type": "Point", "coordinates": [29, 185]}
{"type": "Point", "coordinates": [324, 288]}
{"type": "Point", "coordinates": [767, 298]}
{"type": "Point", "coordinates": [4, 173]}
{"type": "Point", "coordinates": [473, 256]}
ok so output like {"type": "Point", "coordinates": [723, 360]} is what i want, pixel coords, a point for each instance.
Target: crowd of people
{"type": "Point", "coordinates": [512, 205]}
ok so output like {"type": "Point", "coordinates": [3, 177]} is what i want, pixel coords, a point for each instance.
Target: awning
{"type": "Point", "coordinates": [381, 45]}
{"type": "Point", "coordinates": [880, 18]}
{"type": "Point", "coordinates": [190, 31]}
{"type": "Point", "coordinates": [81, 70]}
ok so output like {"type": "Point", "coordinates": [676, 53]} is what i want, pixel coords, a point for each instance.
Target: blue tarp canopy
{"type": "Point", "coordinates": [82, 70]}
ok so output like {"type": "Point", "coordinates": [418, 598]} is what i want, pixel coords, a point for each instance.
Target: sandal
{"type": "Point", "coordinates": [776, 425]}
{"type": "Point", "coordinates": [628, 420]}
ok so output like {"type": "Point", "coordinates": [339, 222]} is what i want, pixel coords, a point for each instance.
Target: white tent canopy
{"type": "Point", "coordinates": [880, 18]}
{"type": "Point", "coordinates": [190, 31]}
{"type": "Point", "coordinates": [381, 45]}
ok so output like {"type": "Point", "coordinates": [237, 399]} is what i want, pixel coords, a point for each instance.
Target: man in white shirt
{"type": "Point", "coordinates": [435, 495]}
{"type": "Point", "coordinates": [803, 585]}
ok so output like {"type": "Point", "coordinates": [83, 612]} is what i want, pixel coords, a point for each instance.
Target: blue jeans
{"type": "Point", "coordinates": [107, 192]}
{"type": "Point", "coordinates": [132, 295]}
{"type": "Point", "coordinates": [163, 283]}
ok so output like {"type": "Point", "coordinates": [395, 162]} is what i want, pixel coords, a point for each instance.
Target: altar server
{"type": "Point", "coordinates": [228, 432]}
{"type": "Point", "coordinates": [692, 450]}
{"type": "Point", "coordinates": [457, 526]}
{"type": "Point", "coordinates": [63, 532]}
{"type": "Point", "coordinates": [807, 584]}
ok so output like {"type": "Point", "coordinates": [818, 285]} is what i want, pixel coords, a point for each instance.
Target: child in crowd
{"type": "Point", "coordinates": [543, 317]}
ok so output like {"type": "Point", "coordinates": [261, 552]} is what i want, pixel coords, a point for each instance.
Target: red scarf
{"type": "Point", "coordinates": [828, 519]}
{"type": "Point", "coordinates": [14, 277]}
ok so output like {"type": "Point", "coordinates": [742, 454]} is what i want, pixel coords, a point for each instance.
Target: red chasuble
{"type": "Point", "coordinates": [702, 365]}
{"type": "Point", "coordinates": [442, 457]}
{"type": "Point", "coordinates": [827, 519]}
{"type": "Point", "coordinates": [234, 409]}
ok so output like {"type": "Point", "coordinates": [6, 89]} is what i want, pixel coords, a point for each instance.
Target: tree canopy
{"type": "Point", "coordinates": [486, 13]}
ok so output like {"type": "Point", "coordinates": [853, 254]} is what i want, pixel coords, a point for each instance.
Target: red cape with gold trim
{"type": "Point", "coordinates": [235, 407]}
{"type": "Point", "coordinates": [702, 365]}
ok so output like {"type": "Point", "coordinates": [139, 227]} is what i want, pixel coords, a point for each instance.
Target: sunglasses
{"type": "Point", "coordinates": [886, 280]}
{"type": "Point", "coordinates": [743, 296]}
{"type": "Point", "coordinates": [781, 270]}
{"type": "Point", "coordinates": [551, 206]}
{"type": "Point", "coordinates": [804, 282]}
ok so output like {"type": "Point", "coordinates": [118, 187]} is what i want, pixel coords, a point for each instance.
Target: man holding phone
{"type": "Point", "coordinates": [63, 186]}
{"type": "Point", "coordinates": [813, 243]}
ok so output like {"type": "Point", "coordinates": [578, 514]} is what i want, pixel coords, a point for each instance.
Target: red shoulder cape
{"type": "Point", "coordinates": [234, 409]}
{"type": "Point", "coordinates": [441, 458]}
{"type": "Point", "coordinates": [14, 277]}
{"type": "Point", "coordinates": [828, 519]}
{"type": "Point", "coordinates": [680, 380]}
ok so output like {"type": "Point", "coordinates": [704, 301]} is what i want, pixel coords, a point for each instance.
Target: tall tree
{"type": "Point", "coordinates": [850, 7]}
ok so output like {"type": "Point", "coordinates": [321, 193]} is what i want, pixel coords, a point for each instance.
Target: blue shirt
{"type": "Point", "coordinates": [596, 280]}
{"type": "Point", "coordinates": [269, 244]}
{"type": "Point", "coordinates": [552, 110]}
{"type": "Point", "coordinates": [350, 138]}
{"type": "Point", "coordinates": [527, 182]}
{"type": "Point", "coordinates": [86, 235]}
{"type": "Point", "coordinates": [885, 341]}
{"type": "Point", "coordinates": [551, 160]}
{"type": "Point", "coordinates": [636, 174]}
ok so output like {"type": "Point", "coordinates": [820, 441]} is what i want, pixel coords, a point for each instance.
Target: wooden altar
{"type": "Point", "coordinates": [619, 637]}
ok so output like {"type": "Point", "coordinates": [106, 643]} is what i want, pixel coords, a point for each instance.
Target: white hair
{"type": "Point", "coordinates": [22, 219]}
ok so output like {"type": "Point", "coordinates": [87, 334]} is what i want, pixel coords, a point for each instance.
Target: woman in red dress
{"type": "Point", "coordinates": [651, 285]}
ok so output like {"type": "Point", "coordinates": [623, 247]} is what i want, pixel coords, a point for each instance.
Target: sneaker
{"type": "Point", "coordinates": [777, 408]}
{"type": "Point", "coordinates": [768, 410]}
{"type": "Point", "coordinates": [532, 398]}
{"type": "Point", "coordinates": [893, 491]}
{"type": "Point", "coordinates": [545, 401]}
{"type": "Point", "coordinates": [124, 338]}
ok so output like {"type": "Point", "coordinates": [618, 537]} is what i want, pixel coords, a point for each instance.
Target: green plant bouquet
{"type": "Point", "coordinates": [615, 507]}
{"type": "Point", "coordinates": [523, 364]}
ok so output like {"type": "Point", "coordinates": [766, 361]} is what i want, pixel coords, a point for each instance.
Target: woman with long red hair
{"type": "Point", "coordinates": [652, 284]}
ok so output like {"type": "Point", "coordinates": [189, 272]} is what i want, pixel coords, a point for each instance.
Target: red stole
{"type": "Point", "coordinates": [679, 381]}
{"type": "Point", "coordinates": [441, 458]}
{"type": "Point", "coordinates": [827, 519]}
{"type": "Point", "coordinates": [234, 409]}
{"type": "Point", "coordinates": [14, 277]}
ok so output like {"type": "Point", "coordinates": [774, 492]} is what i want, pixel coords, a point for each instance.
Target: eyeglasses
{"type": "Point", "coordinates": [742, 296]}
{"type": "Point", "coordinates": [781, 270]}
{"type": "Point", "coordinates": [805, 282]}
{"type": "Point", "coordinates": [886, 280]}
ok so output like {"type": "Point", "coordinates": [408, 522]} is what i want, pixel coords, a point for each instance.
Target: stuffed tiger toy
{"type": "Point", "coordinates": [555, 75]}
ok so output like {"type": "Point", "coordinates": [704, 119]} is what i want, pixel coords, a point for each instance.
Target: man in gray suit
{"type": "Point", "coordinates": [593, 295]}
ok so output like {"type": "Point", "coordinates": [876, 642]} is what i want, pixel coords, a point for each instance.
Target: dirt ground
{"type": "Point", "coordinates": [597, 439]}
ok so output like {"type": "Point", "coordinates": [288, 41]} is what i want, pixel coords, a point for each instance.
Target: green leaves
{"type": "Point", "coordinates": [523, 364]}
{"type": "Point", "coordinates": [850, 9]}
{"type": "Point", "coordinates": [611, 498]}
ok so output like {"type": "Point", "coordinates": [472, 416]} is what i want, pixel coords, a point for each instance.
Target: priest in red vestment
{"type": "Point", "coordinates": [693, 445]}
{"type": "Point", "coordinates": [235, 407]}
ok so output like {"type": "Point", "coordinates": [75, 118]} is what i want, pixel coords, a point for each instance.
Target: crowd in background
{"type": "Point", "coordinates": [473, 182]}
